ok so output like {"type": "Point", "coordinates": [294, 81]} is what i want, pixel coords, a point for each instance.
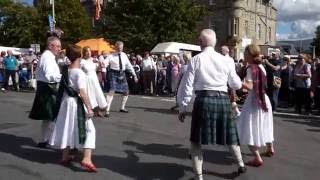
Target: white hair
{"type": "Point", "coordinates": [119, 43]}
{"type": "Point", "coordinates": [208, 38]}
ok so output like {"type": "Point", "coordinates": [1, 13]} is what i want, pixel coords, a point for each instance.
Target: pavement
{"type": "Point", "coordinates": [149, 143]}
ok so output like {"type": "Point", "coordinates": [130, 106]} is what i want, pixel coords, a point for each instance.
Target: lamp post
{"type": "Point", "coordinates": [53, 14]}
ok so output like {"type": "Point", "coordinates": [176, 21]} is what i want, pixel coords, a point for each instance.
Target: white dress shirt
{"type": "Point", "coordinates": [113, 62]}
{"type": "Point", "coordinates": [148, 64]}
{"type": "Point", "coordinates": [48, 69]}
{"type": "Point", "coordinates": [207, 71]}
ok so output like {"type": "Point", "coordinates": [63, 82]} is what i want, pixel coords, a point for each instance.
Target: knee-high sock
{"type": "Point", "coordinates": [235, 150]}
{"type": "Point", "coordinates": [109, 101]}
{"type": "Point", "coordinates": [124, 101]}
{"type": "Point", "coordinates": [197, 159]}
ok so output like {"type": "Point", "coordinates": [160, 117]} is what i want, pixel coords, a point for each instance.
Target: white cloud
{"type": "Point", "coordinates": [303, 16]}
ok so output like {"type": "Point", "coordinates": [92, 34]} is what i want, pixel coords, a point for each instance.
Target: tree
{"type": "Point", "coordinates": [316, 41]}
{"type": "Point", "coordinates": [17, 25]}
{"type": "Point", "coordinates": [141, 24]}
{"type": "Point", "coordinates": [22, 25]}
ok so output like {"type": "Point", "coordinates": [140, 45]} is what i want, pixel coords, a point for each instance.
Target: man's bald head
{"type": "Point", "coordinates": [225, 50]}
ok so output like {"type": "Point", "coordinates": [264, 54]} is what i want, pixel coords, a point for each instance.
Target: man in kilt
{"type": "Point", "coordinates": [208, 75]}
{"type": "Point", "coordinates": [48, 76]}
{"type": "Point", "coordinates": [118, 64]}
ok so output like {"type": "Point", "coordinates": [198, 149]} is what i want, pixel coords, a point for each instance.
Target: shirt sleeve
{"type": "Point", "coordinates": [234, 80]}
{"type": "Point", "coordinates": [52, 71]}
{"type": "Point", "coordinates": [185, 90]}
{"type": "Point", "coordinates": [249, 75]}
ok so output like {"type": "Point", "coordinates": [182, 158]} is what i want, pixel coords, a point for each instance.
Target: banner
{"type": "Point", "coordinates": [51, 23]}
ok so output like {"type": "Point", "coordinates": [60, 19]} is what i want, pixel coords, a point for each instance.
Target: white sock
{"type": "Point", "coordinates": [197, 160]}
{"type": "Point", "coordinates": [235, 150]}
{"type": "Point", "coordinates": [109, 101]}
{"type": "Point", "coordinates": [124, 101]}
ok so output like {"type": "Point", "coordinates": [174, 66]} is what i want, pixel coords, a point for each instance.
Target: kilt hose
{"type": "Point", "coordinates": [212, 121]}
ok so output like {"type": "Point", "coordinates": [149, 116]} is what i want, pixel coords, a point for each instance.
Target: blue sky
{"type": "Point", "coordinates": [297, 19]}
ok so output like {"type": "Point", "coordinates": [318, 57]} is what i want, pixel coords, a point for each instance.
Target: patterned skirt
{"type": "Point", "coordinates": [212, 121]}
{"type": "Point", "coordinates": [117, 82]}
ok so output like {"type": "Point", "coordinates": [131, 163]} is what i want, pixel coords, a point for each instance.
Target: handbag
{"type": "Point", "coordinates": [276, 82]}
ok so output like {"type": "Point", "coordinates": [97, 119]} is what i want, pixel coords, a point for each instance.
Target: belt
{"type": "Point", "coordinates": [211, 93]}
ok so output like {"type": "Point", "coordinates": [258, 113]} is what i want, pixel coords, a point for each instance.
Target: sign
{"type": "Point", "coordinates": [35, 47]}
{"type": "Point", "coordinates": [51, 23]}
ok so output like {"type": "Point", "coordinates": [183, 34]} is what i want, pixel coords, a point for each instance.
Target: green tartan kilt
{"type": "Point", "coordinates": [44, 103]}
{"type": "Point", "coordinates": [212, 121]}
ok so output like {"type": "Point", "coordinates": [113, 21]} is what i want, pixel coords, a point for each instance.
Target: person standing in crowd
{"type": "Point", "coordinates": [162, 75]}
{"type": "Point", "coordinates": [102, 62]}
{"type": "Point", "coordinates": [273, 68]}
{"type": "Point", "coordinates": [118, 63]}
{"type": "Point", "coordinates": [176, 67]}
{"type": "Point", "coordinates": [74, 127]}
{"type": "Point", "coordinates": [10, 64]}
{"type": "Point", "coordinates": [316, 85]}
{"type": "Point", "coordinates": [29, 61]}
{"type": "Point", "coordinates": [184, 67]}
{"type": "Point", "coordinates": [302, 84]}
{"type": "Point", "coordinates": [135, 86]}
{"type": "Point", "coordinates": [2, 72]}
{"type": "Point", "coordinates": [212, 122]}
{"type": "Point", "coordinates": [47, 76]}
{"type": "Point", "coordinates": [286, 89]}
{"type": "Point", "coordinates": [148, 72]}
{"type": "Point", "coordinates": [169, 78]}
{"type": "Point", "coordinates": [255, 124]}
{"type": "Point", "coordinates": [96, 97]}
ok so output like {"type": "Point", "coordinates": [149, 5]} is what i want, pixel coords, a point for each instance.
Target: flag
{"type": "Point", "coordinates": [98, 9]}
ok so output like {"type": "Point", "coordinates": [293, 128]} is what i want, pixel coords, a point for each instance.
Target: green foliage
{"type": "Point", "coordinates": [316, 41]}
{"type": "Point", "coordinates": [141, 24]}
{"type": "Point", "coordinates": [22, 25]}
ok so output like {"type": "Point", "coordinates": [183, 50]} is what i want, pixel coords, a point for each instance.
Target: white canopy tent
{"type": "Point", "coordinates": [15, 51]}
{"type": "Point", "coordinates": [174, 48]}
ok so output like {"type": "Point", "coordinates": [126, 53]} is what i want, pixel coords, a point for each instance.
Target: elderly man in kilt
{"type": "Point", "coordinates": [208, 75]}
{"type": "Point", "coordinates": [48, 76]}
{"type": "Point", "coordinates": [118, 64]}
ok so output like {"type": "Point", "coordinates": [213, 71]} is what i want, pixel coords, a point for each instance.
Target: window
{"type": "Point", "coordinates": [259, 31]}
{"type": "Point", "coordinates": [246, 28]}
{"type": "Point", "coordinates": [270, 35]}
{"type": "Point", "coordinates": [236, 26]}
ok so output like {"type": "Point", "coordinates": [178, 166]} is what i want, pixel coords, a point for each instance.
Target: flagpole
{"type": "Point", "coordinates": [53, 15]}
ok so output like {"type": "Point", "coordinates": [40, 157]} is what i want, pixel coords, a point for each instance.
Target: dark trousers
{"type": "Point", "coordinates": [302, 96]}
{"type": "Point", "coordinates": [273, 96]}
{"type": "Point", "coordinates": [12, 74]}
{"type": "Point", "coordinates": [317, 98]}
{"type": "Point", "coordinates": [148, 80]}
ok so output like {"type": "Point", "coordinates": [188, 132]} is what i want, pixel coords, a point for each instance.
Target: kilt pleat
{"type": "Point", "coordinates": [114, 84]}
{"type": "Point", "coordinates": [212, 121]}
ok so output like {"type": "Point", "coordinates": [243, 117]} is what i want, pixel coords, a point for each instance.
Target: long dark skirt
{"type": "Point", "coordinates": [212, 121]}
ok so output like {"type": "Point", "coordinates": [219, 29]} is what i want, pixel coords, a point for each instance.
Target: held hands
{"type": "Point", "coordinates": [90, 113]}
{"type": "Point", "coordinates": [136, 79]}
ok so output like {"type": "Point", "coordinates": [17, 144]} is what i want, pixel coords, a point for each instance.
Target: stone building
{"type": "Point", "coordinates": [238, 23]}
